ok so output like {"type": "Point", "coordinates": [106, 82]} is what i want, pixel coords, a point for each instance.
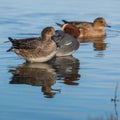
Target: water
{"type": "Point", "coordinates": [81, 87]}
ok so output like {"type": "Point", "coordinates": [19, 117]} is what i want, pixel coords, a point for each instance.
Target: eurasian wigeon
{"type": "Point", "coordinates": [66, 40]}
{"type": "Point", "coordinates": [90, 29]}
{"type": "Point", "coordinates": [39, 49]}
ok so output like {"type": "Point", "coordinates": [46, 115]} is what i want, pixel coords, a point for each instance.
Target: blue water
{"type": "Point", "coordinates": [70, 88]}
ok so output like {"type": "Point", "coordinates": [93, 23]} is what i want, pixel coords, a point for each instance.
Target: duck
{"type": "Point", "coordinates": [90, 29]}
{"type": "Point", "coordinates": [38, 49]}
{"type": "Point", "coordinates": [66, 40]}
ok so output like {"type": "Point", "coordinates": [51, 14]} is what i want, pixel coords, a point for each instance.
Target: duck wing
{"type": "Point", "coordinates": [72, 22]}
{"type": "Point", "coordinates": [29, 43]}
{"type": "Point", "coordinates": [63, 39]}
{"type": "Point", "coordinates": [77, 22]}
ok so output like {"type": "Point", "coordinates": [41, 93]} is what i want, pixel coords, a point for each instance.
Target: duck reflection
{"type": "Point", "coordinates": [98, 43]}
{"type": "Point", "coordinates": [36, 74]}
{"type": "Point", "coordinates": [67, 69]}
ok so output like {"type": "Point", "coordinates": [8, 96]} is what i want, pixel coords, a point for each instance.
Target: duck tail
{"type": "Point", "coordinates": [11, 40]}
{"type": "Point", "coordinates": [65, 21]}
{"type": "Point", "coordinates": [60, 25]}
{"type": "Point", "coordinates": [9, 50]}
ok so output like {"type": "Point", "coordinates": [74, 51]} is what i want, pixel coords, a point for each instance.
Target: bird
{"type": "Point", "coordinates": [66, 40]}
{"type": "Point", "coordinates": [90, 29]}
{"type": "Point", "coordinates": [38, 49]}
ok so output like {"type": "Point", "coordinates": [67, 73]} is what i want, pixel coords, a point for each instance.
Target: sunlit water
{"type": "Point", "coordinates": [81, 87]}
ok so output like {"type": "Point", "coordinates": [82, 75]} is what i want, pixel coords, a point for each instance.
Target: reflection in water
{"type": "Point", "coordinates": [36, 74]}
{"type": "Point", "coordinates": [67, 69]}
{"type": "Point", "coordinates": [42, 74]}
{"type": "Point", "coordinates": [98, 43]}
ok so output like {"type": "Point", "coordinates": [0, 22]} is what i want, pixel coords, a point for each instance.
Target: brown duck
{"type": "Point", "coordinates": [39, 49]}
{"type": "Point", "coordinates": [90, 29]}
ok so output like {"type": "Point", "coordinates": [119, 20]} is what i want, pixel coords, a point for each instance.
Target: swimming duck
{"type": "Point", "coordinates": [39, 49]}
{"type": "Point", "coordinates": [90, 29]}
{"type": "Point", "coordinates": [66, 40]}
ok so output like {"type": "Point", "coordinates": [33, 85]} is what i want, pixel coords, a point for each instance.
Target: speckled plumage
{"type": "Point", "coordinates": [39, 49]}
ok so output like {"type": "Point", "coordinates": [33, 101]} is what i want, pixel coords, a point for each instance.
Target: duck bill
{"type": "Point", "coordinates": [108, 26]}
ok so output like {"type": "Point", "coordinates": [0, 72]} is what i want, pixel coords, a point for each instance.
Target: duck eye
{"type": "Point", "coordinates": [101, 21]}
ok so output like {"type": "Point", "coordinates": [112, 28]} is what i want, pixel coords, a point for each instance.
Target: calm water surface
{"type": "Point", "coordinates": [69, 88]}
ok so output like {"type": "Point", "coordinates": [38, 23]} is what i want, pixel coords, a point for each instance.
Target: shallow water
{"type": "Point", "coordinates": [69, 88]}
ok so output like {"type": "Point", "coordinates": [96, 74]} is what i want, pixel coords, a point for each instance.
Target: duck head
{"type": "Point", "coordinates": [47, 33]}
{"type": "Point", "coordinates": [100, 23]}
{"type": "Point", "coordinates": [71, 29]}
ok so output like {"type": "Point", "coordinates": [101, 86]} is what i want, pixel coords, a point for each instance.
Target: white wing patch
{"type": "Point", "coordinates": [68, 43]}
